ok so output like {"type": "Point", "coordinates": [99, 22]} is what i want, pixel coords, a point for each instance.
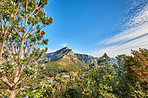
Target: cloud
{"type": "Point", "coordinates": [135, 37]}
{"type": "Point", "coordinates": [49, 50]}
{"type": "Point", "coordinates": [64, 45]}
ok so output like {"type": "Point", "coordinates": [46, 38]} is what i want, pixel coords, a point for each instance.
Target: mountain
{"type": "Point", "coordinates": [113, 61]}
{"type": "Point", "coordinates": [64, 60]}
{"type": "Point", "coordinates": [87, 59]}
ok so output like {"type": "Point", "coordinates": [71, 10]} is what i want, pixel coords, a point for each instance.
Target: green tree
{"type": "Point", "coordinates": [92, 65]}
{"type": "Point", "coordinates": [21, 24]}
{"type": "Point", "coordinates": [102, 61]}
{"type": "Point", "coordinates": [120, 60]}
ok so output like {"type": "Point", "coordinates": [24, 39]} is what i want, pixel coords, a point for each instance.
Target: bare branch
{"type": "Point", "coordinates": [20, 73]}
{"type": "Point", "coordinates": [29, 1]}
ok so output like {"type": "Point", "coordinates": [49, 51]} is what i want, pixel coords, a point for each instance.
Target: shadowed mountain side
{"type": "Point", "coordinates": [87, 59]}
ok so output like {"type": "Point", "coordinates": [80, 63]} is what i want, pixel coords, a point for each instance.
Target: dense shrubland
{"type": "Point", "coordinates": [127, 79]}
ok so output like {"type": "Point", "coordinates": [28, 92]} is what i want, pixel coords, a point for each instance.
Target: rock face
{"type": "Point", "coordinates": [64, 53]}
{"type": "Point", "coordinates": [64, 60]}
{"type": "Point", "coordinates": [87, 59]}
{"type": "Point", "coordinates": [68, 54]}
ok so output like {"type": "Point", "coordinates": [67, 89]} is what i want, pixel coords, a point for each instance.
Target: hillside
{"type": "Point", "coordinates": [64, 60]}
{"type": "Point", "coordinates": [87, 59]}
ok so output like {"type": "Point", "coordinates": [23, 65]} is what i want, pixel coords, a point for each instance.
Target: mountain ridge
{"type": "Point", "coordinates": [87, 59]}
{"type": "Point", "coordinates": [63, 60]}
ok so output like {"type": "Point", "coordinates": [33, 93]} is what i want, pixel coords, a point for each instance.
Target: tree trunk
{"type": "Point", "coordinates": [21, 48]}
{"type": "Point", "coordinates": [13, 94]}
{"type": "Point", "coordinates": [1, 50]}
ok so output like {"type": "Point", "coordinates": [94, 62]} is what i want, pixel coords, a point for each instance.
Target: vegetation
{"type": "Point", "coordinates": [24, 73]}
{"type": "Point", "coordinates": [62, 65]}
{"type": "Point", "coordinates": [106, 81]}
{"type": "Point", "coordinates": [21, 24]}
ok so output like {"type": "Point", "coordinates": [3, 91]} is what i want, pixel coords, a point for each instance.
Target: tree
{"type": "Point", "coordinates": [128, 79]}
{"type": "Point", "coordinates": [92, 65]}
{"type": "Point", "coordinates": [104, 60]}
{"type": "Point", "coordinates": [120, 60]}
{"type": "Point", "coordinates": [21, 24]}
{"type": "Point", "coordinates": [137, 66]}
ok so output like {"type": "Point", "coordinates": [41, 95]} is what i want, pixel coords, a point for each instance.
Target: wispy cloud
{"type": "Point", "coordinates": [64, 45]}
{"type": "Point", "coordinates": [49, 50]}
{"type": "Point", "coordinates": [136, 36]}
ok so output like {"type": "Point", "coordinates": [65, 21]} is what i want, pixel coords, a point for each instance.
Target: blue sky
{"type": "Point", "coordinates": [98, 26]}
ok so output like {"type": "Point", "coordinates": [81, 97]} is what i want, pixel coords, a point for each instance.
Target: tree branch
{"type": "Point", "coordinates": [2, 26]}
{"type": "Point", "coordinates": [5, 80]}
{"type": "Point", "coordinates": [10, 50]}
{"type": "Point", "coordinates": [36, 31]}
{"type": "Point", "coordinates": [10, 54]}
{"type": "Point", "coordinates": [30, 30]}
{"type": "Point", "coordinates": [16, 78]}
{"type": "Point", "coordinates": [14, 17]}
{"type": "Point", "coordinates": [32, 48]}
{"type": "Point", "coordinates": [18, 34]}
{"type": "Point", "coordinates": [35, 8]}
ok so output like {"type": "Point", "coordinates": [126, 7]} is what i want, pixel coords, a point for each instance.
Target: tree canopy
{"type": "Point", "coordinates": [21, 34]}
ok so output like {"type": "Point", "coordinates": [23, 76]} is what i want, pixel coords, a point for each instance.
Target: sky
{"type": "Point", "coordinates": [96, 27]}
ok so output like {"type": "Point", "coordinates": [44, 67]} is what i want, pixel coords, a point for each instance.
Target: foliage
{"type": "Point", "coordinates": [62, 65]}
{"type": "Point", "coordinates": [107, 81]}
{"type": "Point", "coordinates": [21, 24]}
{"type": "Point", "coordinates": [137, 67]}
{"type": "Point", "coordinates": [72, 93]}
{"type": "Point", "coordinates": [103, 60]}
{"type": "Point", "coordinates": [92, 82]}
{"type": "Point", "coordinates": [41, 91]}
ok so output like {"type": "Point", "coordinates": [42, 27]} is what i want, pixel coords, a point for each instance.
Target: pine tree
{"type": "Point", "coordinates": [103, 61]}
{"type": "Point", "coordinates": [21, 24]}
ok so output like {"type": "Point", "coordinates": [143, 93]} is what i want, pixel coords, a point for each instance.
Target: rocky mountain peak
{"type": "Point", "coordinates": [65, 53]}
{"type": "Point", "coordinates": [64, 60]}
{"type": "Point", "coordinates": [68, 54]}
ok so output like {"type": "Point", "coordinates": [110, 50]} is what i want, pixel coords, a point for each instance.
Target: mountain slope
{"type": "Point", "coordinates": [64, 60]}
{"type": "Point", "coordinates": [87, 59]}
